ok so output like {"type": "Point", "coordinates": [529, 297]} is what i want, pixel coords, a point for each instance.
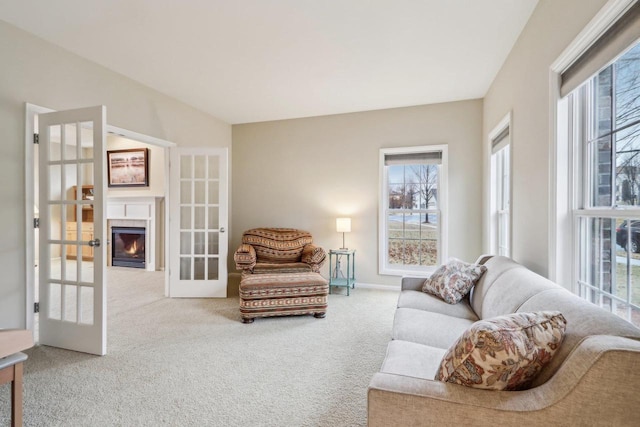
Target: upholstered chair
{"type": "Point", "coordinates": [278, 250]}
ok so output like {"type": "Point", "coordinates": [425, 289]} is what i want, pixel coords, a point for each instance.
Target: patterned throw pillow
{"type": "Point", "coordinates": [503, 353]}
{"type": "Point", "coordinates": [453, 280]}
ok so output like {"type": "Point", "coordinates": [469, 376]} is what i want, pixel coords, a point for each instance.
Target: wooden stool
{"type": "Point", "coordinates": [282, 294]}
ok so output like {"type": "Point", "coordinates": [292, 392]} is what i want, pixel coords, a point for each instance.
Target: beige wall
{"type": "Point", "coordinates": [37, 72]}
{"type": "Point", "coordinates": [304, 173]}
{"type": "Point", "coordinates": [522, 87]}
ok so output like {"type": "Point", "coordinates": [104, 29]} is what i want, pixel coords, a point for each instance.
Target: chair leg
{"type": "Point", "coordinates": [16, 396]}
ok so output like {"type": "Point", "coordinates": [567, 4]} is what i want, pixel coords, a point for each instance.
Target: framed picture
{"type": "Point", "coordinates": [128, 168]}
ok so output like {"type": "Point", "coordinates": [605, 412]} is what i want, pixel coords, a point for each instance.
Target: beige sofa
{"type": "Point", "coordinates": [593, 379]}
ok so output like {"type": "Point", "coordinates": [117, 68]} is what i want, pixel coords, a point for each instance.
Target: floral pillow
{"type": "Point", "coordinates": [503, 353]}
{"type": "Point", "coordinates": [453, 280]}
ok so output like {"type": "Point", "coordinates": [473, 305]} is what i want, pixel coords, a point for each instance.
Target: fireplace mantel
{"type": "Point", "coordinates": [138, 212]}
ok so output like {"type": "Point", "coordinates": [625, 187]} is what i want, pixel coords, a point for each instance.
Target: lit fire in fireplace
{"type": "Point", "coordinates": [132, 249]}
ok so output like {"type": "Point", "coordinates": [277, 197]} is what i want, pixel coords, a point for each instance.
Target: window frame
{"type": "Point", "coordinates": [384, 268]}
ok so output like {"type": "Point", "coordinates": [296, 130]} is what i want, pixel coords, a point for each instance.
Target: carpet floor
{"type": "Point", "coordinates": [187, 362]}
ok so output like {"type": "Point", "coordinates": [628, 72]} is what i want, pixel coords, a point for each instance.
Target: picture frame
{"type": "Point", "coordinates": [128, 168]}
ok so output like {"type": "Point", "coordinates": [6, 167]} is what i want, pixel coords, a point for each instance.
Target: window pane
{"type": "Point", "coordinates": [628, 166]}
{"type": "Point", "coordinates": [600, 174]}
{"type": "Point", "coordinates": [627, 87]}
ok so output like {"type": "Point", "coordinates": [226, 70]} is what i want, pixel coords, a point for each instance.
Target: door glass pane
{"type": "Point", "coordinates": [71, 182]}
{"type": "Point", "coordinates": [214, 237]}
{"type": "Point", "coordinates": [199, 166]}
{"type": "Point", "coordinates": [200, 193]}
{"type": "Point", "coordinates": [214, 217]}
{"type": "Point", "coordinates": [55, 254]}
{"type": "Point", "coordinates": [185, 192]}
{"type": "Point", "coordinates": [86, 140]}
{"type": "Point", "coordinates": [214, 167]}
{"type": "Point", "coordinates": [55, 222]}
{"type": "Point", "coordinates": [214, 192]}
{"type": "Point", "coordinates": [55, 301]}
{"type": "Point", "coordinates": [199, 218]}
{"type": "Point", "coordinates": [55, 182]}
{"type": "Point", "coordinates": [54, 143]}
{"type": "Point", "coordinates": [185, 217]}
{"type": "Point", "coordinates": [198, 269]}
{"type": "Point", "coordinates": [186, 171]}
{"type": "Point", "coordinates": [198, 242]}
{"type": "Point", "coordinates": [86, 264]}
{"type": "Point", "coordinates": [69, 267]}
{"type": "Point", "coordinates": [213, 269]}
{"type": "Point", "coordinates": [86, 301]}
{"type": "Point", "coordinates": [185, 268]}
{"type": "Point", "coordinates": [71, 148]}
{"type": "Point", "coordinates": [70, 303]}
{"type": "Point", "coordinates": [185, 243]}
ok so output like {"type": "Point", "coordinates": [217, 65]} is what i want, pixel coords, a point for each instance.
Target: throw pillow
{"type": "Point", "coordinates": [453, 281]}
{"type": "Point", "coordinates": [503, 353]}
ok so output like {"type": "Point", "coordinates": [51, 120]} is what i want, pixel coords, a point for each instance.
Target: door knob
{"type": "Point", "coordinates": [94, 243]}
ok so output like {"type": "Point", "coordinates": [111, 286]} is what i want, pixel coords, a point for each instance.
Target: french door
{"type": "Point", "coordinates": [198, 221]}
{"type": "Point", "coordinates": [72, 245]}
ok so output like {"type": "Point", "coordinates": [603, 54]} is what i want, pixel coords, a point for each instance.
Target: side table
{"type": "Point", "coordinates": [336, 276]}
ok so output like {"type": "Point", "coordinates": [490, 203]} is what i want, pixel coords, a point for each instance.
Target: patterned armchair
{"type": "Point", "coordinates": [278, 250]}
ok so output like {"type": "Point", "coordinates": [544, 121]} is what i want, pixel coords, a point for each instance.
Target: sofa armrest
{"type": "Point", "coordinates": [314, 256]}
{"type": "Point", "coordinates": [600, 367]}
{"type": "Point", "coordinates": [245, 257]}
{"type": "Point", "coordinates": [412, 283]}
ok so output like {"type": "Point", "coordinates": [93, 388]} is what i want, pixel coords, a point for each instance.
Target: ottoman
{"type": "Point", "coordinates": [282, 294]}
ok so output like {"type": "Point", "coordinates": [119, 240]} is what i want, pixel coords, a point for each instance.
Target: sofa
{"type": "Point", "coordinates": [593, 378]}
{"type": "Point", "coordinates": [280, 274]}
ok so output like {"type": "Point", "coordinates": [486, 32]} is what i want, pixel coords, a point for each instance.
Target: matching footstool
{"type": "Point", "coordinates": [277, 294]}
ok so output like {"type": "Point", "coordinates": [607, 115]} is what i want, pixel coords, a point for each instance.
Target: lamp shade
{"type": "Point", "coordinates": [343, 225]}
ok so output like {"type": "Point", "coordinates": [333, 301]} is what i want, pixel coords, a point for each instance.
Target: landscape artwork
{"type": "Point", "coordinates": [128, 168]}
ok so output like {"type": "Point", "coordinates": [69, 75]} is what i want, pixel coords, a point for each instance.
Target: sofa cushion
{"type": "Point", "coordinates": [503, 353]}
{"type": "Point", "coordinates": [505, 287]}
{"type": "Point", "coordinates": [453, 281]}
{"type": "Point", "coordinates": [422, 301]}
{"type": "Point", "coordinates": [411, 359]}
{"type": "Point", "coordinates": [427, 328]}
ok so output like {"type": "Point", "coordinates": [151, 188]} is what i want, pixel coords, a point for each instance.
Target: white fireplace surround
{"type": "Point", "coordinates": [137, 212]}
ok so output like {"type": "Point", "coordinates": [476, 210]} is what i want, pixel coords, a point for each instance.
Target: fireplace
{"type": "Point", "coordinates": [128, 247]}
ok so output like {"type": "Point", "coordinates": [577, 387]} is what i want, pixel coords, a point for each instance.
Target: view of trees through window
{"type": "Point", "coordinates": [412, 222]}
{"type": "Point", "coordinates": [609, 244]}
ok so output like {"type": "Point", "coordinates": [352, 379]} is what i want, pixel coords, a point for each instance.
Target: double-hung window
{"type": "Point", "coordinates": [412, 208]}
{"type": "Point", "coordinates": [500, 193]}
{"type": "Point", "coordinates": [604, 116]}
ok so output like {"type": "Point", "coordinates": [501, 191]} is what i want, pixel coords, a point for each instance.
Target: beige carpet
{"type": "Point", "coordinates": [183, 362]}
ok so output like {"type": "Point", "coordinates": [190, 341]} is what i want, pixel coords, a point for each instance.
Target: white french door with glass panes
{"type": "Point", "coordinates": [72, 286]}
{"type": "Point", "coordinates": [198, 221]}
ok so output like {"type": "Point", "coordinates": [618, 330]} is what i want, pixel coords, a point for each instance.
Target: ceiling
{"type": "Point", "coordinates": [257, 60]}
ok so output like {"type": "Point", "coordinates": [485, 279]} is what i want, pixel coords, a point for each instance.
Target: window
{"type": "Point", "coordinates": [605, 121]}
{"type": "Point", "coordinates": [412, 209]}
{"type": "Point", "coordinates": [500, 191]}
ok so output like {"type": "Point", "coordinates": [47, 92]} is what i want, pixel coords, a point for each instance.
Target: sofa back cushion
{"type": "Point", "coordinates": [277, 245]}
{"type": "Point", "coordinates": [504, 287]}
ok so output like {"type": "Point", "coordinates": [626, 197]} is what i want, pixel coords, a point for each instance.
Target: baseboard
{"type": "Point", "coordinates": [376, 286]}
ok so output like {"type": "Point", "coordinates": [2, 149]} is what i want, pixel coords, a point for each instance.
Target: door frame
{"type": "Point", "coordinates": [31, 110]}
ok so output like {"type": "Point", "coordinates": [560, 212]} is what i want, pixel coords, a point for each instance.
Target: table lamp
{"type": "Point", "coordinates": [343, 225]}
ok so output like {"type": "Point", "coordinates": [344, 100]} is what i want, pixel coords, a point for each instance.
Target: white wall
{"type": "Point", "coordinates": [43, 74]}
{"type": "Point", "coordinates": [304, 173]}
{"type": "Point", "coordinates": [522, 87]}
